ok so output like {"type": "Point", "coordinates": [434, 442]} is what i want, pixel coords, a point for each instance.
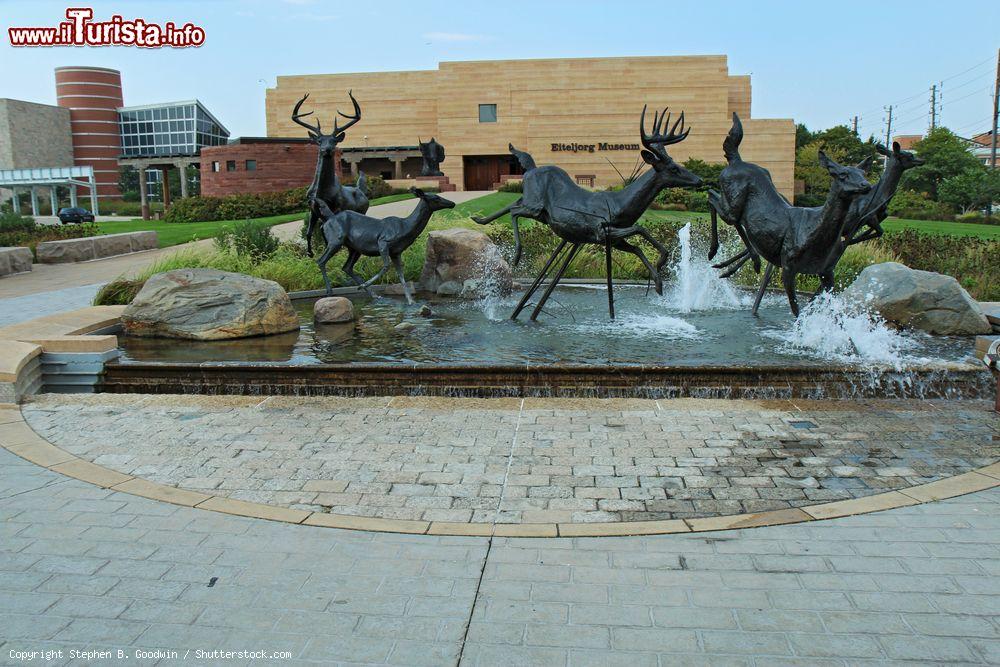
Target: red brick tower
{"type": "Point", "coordinates": [93, 95]}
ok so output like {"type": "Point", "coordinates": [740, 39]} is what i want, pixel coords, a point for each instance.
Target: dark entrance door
{"type": "Point", "coordinates": [482, 172]}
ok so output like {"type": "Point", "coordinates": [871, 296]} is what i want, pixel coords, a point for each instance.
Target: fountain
{"type": "Point", "coordinates": [694, 339]}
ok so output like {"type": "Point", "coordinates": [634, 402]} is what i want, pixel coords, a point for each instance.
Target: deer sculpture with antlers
{"type": "Point", "coordinates": [326, 186]}
{"type": "Point", "coordinates": [579, 216]}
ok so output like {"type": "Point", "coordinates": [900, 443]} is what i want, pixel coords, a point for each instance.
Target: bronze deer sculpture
{"type": "Point", "coordinates": [386, 238]}
{"type": "Point", "coordinates": [579, 216]}
{"type": "Point", "coordinates": [866, 213]}
{"type": "Point", "coordinates": [326, 186]}
{"type": "Point", "coordinates": [798, 239]}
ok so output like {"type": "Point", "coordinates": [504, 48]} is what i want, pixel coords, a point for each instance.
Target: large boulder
{"type": "Point", "coordinates": [457, 255]}
{"type": "Point", "coordinates": [922, 300]}
{"type": "Point", "coordinates": [333, 310]}
{"type": "Point", "coordinates": [205, 304]}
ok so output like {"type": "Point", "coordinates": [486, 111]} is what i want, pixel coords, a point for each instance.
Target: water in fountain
{"type": "Point", "coordinates": [837, 330]}
{"type": "Point", "coordinates": [697, 286]}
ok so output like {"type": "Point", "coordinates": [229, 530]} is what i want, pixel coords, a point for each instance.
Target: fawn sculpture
{"type": "Point", "coordinates": [579, 216]}
{"type": "Point", "coordinates": [326, 187]}
{"type": "Point", "coordinates": [386, 238]}
{"type": "Point", "coordinates": [798, 239]}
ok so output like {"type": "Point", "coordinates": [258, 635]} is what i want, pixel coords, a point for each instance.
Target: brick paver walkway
{"type": "Point", "coordinates": [531, 461]}
{"type": "Point", "coordinates": [85, 568]}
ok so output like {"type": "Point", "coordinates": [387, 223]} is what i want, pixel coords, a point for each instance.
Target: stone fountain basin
{"type": "Point", "coordinates": [471, 348]}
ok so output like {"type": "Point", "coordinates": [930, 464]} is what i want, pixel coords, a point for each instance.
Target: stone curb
{"type": "Point", "coordinates": [16, 436]}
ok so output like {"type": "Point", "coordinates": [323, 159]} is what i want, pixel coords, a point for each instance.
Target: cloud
{"type": "Point", "coordinates": [454, 37]}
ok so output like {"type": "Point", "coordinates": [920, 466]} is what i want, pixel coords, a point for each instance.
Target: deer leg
{"type": "Point", "coordinates": [331, 248]}
{"type": "Point", "coordinates": [555, 281]}
{"type": "Point", "coordinates": [398, 263]}
{"type": "Point", "coordinates": [763, 287]}
{"type": "Point", "coordinates": [499, 214]}
{"type": "Point", "coordinates": [825, 283]}
{"type": "Point", "coordinates": [622, 244]}
{"type": "Point", "coordinates": [352, 258]}
{"type": "Point", "coordinates": [713, 200]}
{"type": "Point", "coordinates": [384, 253]}
{"type": "Point", "coordinates": [722, 265]}
{"type": "Point", "coordinates": [517, 238]}
{"type": "Point", "coordinates": [788, 280]}
{"type": "Point", "coordinates": [313, 217]}
{"type": "Point", "coordinates": [660, 248]}
{"type": "Point", "coordinates": [538, 281]}
{"type": "Point", "coordinates": [873, 232]}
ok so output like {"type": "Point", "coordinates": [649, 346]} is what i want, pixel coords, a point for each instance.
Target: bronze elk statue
{"type": "Point", "coordinates": [326, 187]}
{"type": "Point", "coordinates": [578, 216]}
{"type": "Point", "coordinates": [387, 238]}
{"type": "Point", "coordinates": [796, 239]}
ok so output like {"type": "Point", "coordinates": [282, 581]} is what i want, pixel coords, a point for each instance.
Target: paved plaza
{"type": "Point", "coordinates": [88, 568]}
{"type": "Point", "coordinates": [530, 461]}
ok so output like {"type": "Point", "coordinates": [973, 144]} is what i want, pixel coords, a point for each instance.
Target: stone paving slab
{"type": "Point", "coordinates": [568, 462]}
{"type": "Point", "coordinates": [83, 567]}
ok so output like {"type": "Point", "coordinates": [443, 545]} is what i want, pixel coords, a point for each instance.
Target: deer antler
{"type": "Point", "coordinates": [661, 121]}
{"type": "Point", "coordinates": [297, 117]}
{"type": "Point", "coordinates": [352, 119]}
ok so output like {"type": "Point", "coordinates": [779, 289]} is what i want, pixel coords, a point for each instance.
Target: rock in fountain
{"type": "Point", "coordinates": [458, 255]}
{"type": "Point", "coordinates": [333, 310]}
{"type": "Point", "coordinates": [922, 300]}
{"type": "Point", "coordinates": [205, 304]}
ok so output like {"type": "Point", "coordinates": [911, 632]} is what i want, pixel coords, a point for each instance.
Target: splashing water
{"type": "Point", "coordinates": [835, 329]}
{"type": "Point", "coordinates": [697, 286]}
{"type": "Point", "coordinates": [491, 288]}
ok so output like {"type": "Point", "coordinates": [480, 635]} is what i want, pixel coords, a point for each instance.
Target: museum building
{"type": "Point", "coordinates": [581, 114]}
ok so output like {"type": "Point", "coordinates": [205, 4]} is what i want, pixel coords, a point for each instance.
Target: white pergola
{"type": "Point", "coordinates": [14, 179]}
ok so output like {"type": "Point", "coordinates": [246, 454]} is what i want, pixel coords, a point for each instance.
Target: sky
{"type": "Point", "coordinates": [819, 63]}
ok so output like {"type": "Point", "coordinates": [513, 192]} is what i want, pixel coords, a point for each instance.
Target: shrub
{"type": "Point", "coordinates": [248, 239]}
{"type": "Point", "coordinates": [918, 206]}
{"type": "Point", "coordinates": [129, 207]}
{"type": "Point", "coordinates": [809, 200]}
{"type": "Point", "coordinates": [697, 201]}
{"type": "Point", "coordinates": [667, 207]}
{"type": "Point", "coordinates": [18, 230]}
{"type": "Point", "coordinates": [236, 207]}
{"type": "Point", "coordinates": [672, 196]}
{"type": "Point", "coordinates": [375, 186]}
{"type": "Point", "coordinates": [512, 186]}
{"type": "Point", "coordinates": [11, 222]}
{"type": "Point", "coordinates": [978, 218]}
{"type": "Point", "coordinates": [971, 261]}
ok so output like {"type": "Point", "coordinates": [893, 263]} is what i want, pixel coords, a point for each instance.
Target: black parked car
{"type": "Point", "coordinates": [75, 214]}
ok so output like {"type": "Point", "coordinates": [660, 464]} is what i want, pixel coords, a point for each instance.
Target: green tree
{"type": "Point", "coordinates": [808, 169]}
{"type": "Point", "coordinates": [803, 136]}
{"type": "Point", "coordinates": [974, 188]}
{"type": "Point", "coordinates": [945, 155]}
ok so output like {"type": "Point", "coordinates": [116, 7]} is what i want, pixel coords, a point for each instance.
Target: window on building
{"type": "Point", "coordinates": [215, 167]}
{"type": "Point", "coordinates": [586, 180]}
{"type": "Point", "coordinates": [230, 165]}
{"type": "Point", "coordinates": [487, 113]}
{"type": "Point", "coordinates": [251, 165]}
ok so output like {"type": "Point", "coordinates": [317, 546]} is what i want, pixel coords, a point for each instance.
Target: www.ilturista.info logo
{"type": "Point", "coordinates": [80, 30]}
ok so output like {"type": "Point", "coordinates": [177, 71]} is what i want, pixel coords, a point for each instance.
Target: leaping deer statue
{"type": "Point", "coordinates": [326, 187]}
{"type": "Point", "coordinates": [579, 216]}
{"type": "Point", "coordinates": [386, 238]}
{"type": "Point", "coordinates": [798, 239]}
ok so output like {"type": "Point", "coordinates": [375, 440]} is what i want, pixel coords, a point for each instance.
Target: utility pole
{"type": "Point", "coordinates": [993, 134]}
{"type": "Point", "coordinates": [888, 134]}
{"type": "Point", "coordinates": [854, 125]}
{"type": "Point", "coordinates": [933, 106]}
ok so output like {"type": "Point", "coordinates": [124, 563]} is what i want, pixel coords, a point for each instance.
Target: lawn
{"type": "Point", "coordinates": [174, 233]}
{"type": "Point", "coordinates": [943, 227]}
